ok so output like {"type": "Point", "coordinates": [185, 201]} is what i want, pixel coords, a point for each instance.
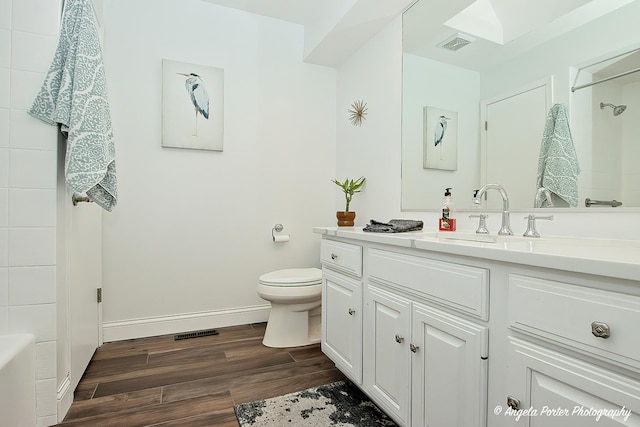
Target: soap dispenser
{"type": "Point", "coordinates": [447, 221]}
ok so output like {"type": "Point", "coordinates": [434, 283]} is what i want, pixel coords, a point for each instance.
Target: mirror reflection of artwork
{"type": "Point", "coordinates": [192, 106]}
{"type": "Point", "coordinates": [440, 139]}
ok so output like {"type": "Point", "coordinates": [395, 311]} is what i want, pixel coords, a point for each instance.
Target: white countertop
{"type": "Point", "coordinates": [604, 257]}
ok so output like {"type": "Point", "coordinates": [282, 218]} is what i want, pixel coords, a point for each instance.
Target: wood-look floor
{"type": "Point", "coordinates": [195, 382]}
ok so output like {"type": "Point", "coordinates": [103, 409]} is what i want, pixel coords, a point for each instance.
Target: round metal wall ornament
{"type": "Point", "coordinates": [357, 112]}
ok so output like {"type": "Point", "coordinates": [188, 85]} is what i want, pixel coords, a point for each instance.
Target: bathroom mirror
{"type": "Point", "coordinates": [451, 63]}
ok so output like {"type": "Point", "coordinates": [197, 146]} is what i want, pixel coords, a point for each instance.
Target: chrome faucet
{"type": "Point", "coordinates": [505, 230]}
{"type": "Point", "coordinates": [542, 195]}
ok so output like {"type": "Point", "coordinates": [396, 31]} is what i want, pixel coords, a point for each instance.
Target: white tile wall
{"type": "Point", "coordinates": [5, 13]}
{"type": "Point", "coordinates": [5, 48]}
{"type": "Point", "coordinates": [32, 246]}
{"type": "Point", "coordinates": [39, 320]}
{"type": "Point", "coordinates": [28, 164]}
{"type": "Point", "coordinates": [46, 360]}
{"type": "Point", "coordinates": [4, 247]}
{"type": "Point", "coordinates": [29, 132]}
{"type": "Point", "coordinates": [4, 286]}
{"type": "Point", "coordinates": [46, 392]}
{"type": "Point", "coordinates": [4, 167]}
{"type": "Point", "coordinates": [5, 88]}
{"type": "Point", "coordinates": [31, 208]}
{"type": "Point", "coordinates": [22, 47]}
{"type": "Point", "coordinates": [4, 127]}
{"type": "Point", "coordinates": [4, 207]}
{"type": "Point", "coordinates": [4, 320]}
{"type": "Point", "coordinates": [32, 169]}
{"type": "Point", "coordinates": [46, 21]}
{"type": "Point", "coordinates": [25, 85]}
{"type": "Point", "coordinates": [32, 285]}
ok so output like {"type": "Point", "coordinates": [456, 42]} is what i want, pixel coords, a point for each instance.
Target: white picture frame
{"type": "Point", "coordinates": [440, 138]}
{"type": "Point", "coordinates": [192, 106]}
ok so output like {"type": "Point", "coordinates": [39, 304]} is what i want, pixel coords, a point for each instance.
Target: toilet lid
{"type": "Point", "coordinates": [292, 277]}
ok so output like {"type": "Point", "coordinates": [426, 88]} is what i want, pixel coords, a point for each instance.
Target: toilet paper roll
{"type": "Point", "coordinates": [281, 238]}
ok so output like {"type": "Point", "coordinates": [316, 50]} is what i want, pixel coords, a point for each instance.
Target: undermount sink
{"type": "Point", "coordinates": [621, 250]}
{"type": "Point", "coordinates": [468, 237]}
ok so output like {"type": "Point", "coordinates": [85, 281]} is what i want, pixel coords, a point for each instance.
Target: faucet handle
{"type": "Point", "coordinates": [531, 224]}
{"type": "Point", "coordinates": [482, 226]}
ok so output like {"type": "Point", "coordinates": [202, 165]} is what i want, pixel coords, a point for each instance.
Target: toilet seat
{"type": "Point", "coordinates": [293, 277]}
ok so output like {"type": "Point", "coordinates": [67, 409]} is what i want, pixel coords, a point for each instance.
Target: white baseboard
{"type": "Point", "coordinates": [152, 326]}
{"type": "Point", "coordinates": [64, 398]}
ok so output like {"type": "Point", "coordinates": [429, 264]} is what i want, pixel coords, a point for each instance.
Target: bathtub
{"type": "Point", "coordinates": [17, 380]}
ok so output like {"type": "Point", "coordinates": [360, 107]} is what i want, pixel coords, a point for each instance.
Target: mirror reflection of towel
{"type": "Point", "coordinates": [558, 166]}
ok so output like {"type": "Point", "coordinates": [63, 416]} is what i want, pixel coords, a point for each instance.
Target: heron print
{"type": "Point", "coordinates": [199, 96]}
{"type": "Point", "coordinates": [440, 134]}
{"type": "Point", "coordinates": [192, 106]}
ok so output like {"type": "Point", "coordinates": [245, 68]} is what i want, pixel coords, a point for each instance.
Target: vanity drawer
{"type": "Point", "coordinates": [567, 313]}
{"type": "Point", "coordinates": [461, 287]}
{"type": "Point", "coordinates": [341, 256]}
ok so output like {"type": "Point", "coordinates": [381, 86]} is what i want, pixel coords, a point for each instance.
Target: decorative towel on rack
{"type": "Point", "coordinates": [74, 96]}
{"type": "Point", "coordinates": [558, 166]}
{"type": "Point", "coordinates": [393, 226]}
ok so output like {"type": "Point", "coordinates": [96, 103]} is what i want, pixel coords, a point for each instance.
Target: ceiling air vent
{"type": "Point", "coordinates": [457, 41]}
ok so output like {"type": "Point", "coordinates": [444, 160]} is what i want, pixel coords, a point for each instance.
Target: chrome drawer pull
{"type": "Point", "coordinates": [513, 403]}
{"type": "Point", "coordinates": [351, 312]}
{"type": "Point", "coordinates": [334, 256]}
{"type": "Point", "coordinates": [399, 339]}
{"type": "Point", "coordinates": [600, 330]}
{"type": "Point", "coordinates": [413, 347]}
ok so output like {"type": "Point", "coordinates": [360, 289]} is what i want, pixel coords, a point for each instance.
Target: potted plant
{"type": "Point", "coordinates": [349, 188]}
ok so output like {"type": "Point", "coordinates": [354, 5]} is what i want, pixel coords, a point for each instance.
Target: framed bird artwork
{"type": "Point", "coordinates": [440, 138]}
{"type": "Point", "coordinates": [192, 106]}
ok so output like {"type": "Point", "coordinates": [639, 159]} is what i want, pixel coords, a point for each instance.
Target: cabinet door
{"type": "Point", "coordinates": [449, 370]}
{"type": "Point", "coordinates": [342, 323]}
{"type": "Point", "coordinates": [387, 356]}
{"type": "Point", "coordinates": [565, 392]}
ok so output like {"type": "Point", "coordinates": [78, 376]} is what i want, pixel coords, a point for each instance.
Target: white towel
{"type": "Point", "coordinates": [558, 166]}
{"type": "Point", "coordinates": [74, 95]}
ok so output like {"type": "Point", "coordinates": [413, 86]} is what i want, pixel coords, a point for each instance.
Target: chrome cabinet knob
{"type": "Point", "coordinates": [413, 348]}
{"type": "Point", "coordinates": [399, 339]}
{"type": "Point", "coordinates": [600, 330]}
{"type": "Point", "coordinates": [351, 312]}
{"type": "Point", "coordinates": [334, 256]}
{"type": "Point", "coordinates": [513, 403]}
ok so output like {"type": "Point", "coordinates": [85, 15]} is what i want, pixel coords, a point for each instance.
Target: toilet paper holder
{"type": "Point", "coordinates": [277, 229]}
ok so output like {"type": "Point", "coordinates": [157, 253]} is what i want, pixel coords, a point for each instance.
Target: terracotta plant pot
{"type": "Point", "coordinates": [345, 219]}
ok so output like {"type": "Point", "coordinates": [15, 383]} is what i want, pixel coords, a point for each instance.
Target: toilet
{"type": "Point", "coordinates": [295, 296]}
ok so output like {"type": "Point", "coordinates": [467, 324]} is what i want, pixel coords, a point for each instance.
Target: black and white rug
{"type": "Point", "coordinates": [336, 404]}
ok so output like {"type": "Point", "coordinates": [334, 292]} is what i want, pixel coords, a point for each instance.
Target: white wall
{"type": "Point", "coordinates": [28, 34]}
{"type": "Point", "coordinates": [373, 149]}
{"type": "Point", "coordinates": [374, 74]}
{"type": "Point", "coordinates": [631, 145]}
{"type": "Point", "coordinates": [431, 83]}
{"type": "Point", "coordinates": [192, 229]}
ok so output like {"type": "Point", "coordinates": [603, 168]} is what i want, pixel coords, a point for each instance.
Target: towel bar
{"type": "Point", "coordinates": [613, 203]}
{"type": "Point", "coordinates": [75, 199]}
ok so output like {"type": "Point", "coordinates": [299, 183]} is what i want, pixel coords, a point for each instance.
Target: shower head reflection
{"type": "Point", "coordinates": [617, 109]}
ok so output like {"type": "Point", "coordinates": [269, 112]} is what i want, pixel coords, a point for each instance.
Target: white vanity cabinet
{"type": "Point", "coordinates": [564, 349]}
{"type": "Point", "coordinates": [387, 336]}
{"type": "Point", "coordinates": [553, 389]}
{"type": "Point", "coordinates": [423, 365]}
{"type": "Point", "coordinates": [449, 369]}
{"type": "Point", "coordinates": [587, 357]}
{"type": "Point", "coordinates": [342, 306]}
